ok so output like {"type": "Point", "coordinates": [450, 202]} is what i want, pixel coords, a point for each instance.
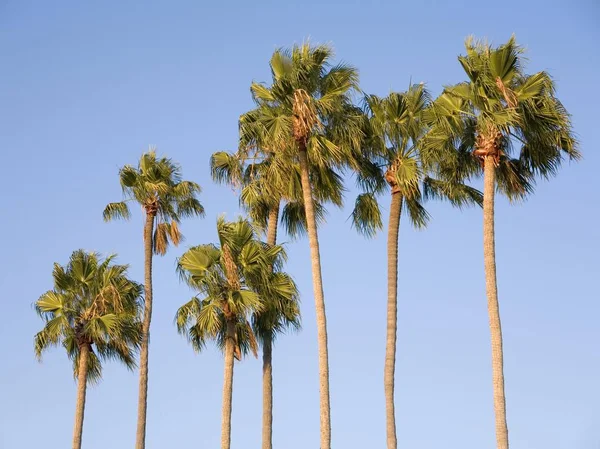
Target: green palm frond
{"type": "Point", "coordinates": [458, 194]}
{"type": "Point", "coordinates": [293, 217]}
{"type": "Point", "coordinates": [366, 215]}
{"type": "Point", "coordinates": [281, 311]}
{"type": "Point", "coordinates": [226, 168]}
{"type": "Point", "coordinates": [195, 264]}
{"type": "Point", "coordinates": [419, 217]}
{"type": "Point", "coordinates": [188, 207]}
{"type": "Point", "coordinates": [116, 210]}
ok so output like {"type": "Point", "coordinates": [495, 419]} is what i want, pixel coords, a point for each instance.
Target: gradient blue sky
{"type": "Point", "coordinates": [85, 87]}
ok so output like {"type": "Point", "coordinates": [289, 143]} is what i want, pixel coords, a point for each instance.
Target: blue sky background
{"type": "Point", "coordinates": [85, 87]}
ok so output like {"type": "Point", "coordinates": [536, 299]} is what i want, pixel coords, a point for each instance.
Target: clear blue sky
{"type": "Point", "coordinates": [85, 87]}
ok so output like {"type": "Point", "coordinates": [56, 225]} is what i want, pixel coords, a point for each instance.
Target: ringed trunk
{"type": "Point", "coordinates": [228, 385]}
{"type": "Point", "coordinates": [140, 442]}
{"type": "Point", "coordinates": [392, 318]}
{"type": "Point", "coordinates": [311, 226]}
{"type": "Point", "coordinates": [272, 225]}
{"type": "Point", "coordinates": [489, 255]}
{"type": "Point", "coordinates": [267, 417]}
{"type": "Point", "coordinates": [82, 373]}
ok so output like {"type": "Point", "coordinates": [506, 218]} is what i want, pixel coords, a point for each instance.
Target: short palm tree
{"type": "Point", "coordinates": [234, 280]}
{"type": "Point", "coordinates": [280, 312]}
{"type": "Point", "coordinates": [279, 315]}
{"type": "Point", "coordinates": [393, 159]}
{"type": "Point", "coordinates": [156, 185]}
{"type": "Point", "coordinates": [307, 116]}
{"type": "Point", "coordinates": [511, 126]}
{"type": "Point", "coordinates": [93, 312]}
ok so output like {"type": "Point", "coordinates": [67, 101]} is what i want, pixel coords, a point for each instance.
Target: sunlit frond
{"type": "Point", "coordinates": [116, 210]}
{"type": "Point", "coordinates": [366, 215]}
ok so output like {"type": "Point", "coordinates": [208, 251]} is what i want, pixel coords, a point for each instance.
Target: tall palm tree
{"type": "Point", "coordinates": [393, 159]}
{"type": "Point", "coordinates": [267, 180]}
{"type": "Point", "coordinates": [156, 185]}
{"type": "Point", "coordinates": [93, 312]}
{"type": "Point", "coordinates": [308, 117]}
{"type": "Point", "coordinates": [511, 126]}
{"type": "Point", "coordinates": [235, 280]}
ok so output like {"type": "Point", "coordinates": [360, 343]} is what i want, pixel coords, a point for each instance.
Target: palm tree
{"type": "Point", "coordinates": [307, 116]}
{"type": "Point", "coordinates": [511, 126]}
{"type": "Point", "coordinates": [279, 314]}
{"type": "Point", "coordinates": [267, 180]}
{"type": "Point", "coordinates": [93, 312]}
{"type": "Point", "coordinates": [264, 187]}
{"type": "Point", "coordinates": [157, 186]}
{"type": "Point", "coordinates": [234, 278]}
{"type": "Point", "coordinates": [393, 159]}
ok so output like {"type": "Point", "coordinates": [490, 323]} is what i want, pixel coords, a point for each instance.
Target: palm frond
{"type": "Point", "coordinates": [116, 210]}
{"type": "Point", "coordinates": [366, 215]}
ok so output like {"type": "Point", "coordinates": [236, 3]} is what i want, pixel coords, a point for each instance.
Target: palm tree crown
{"type": "Point", "coordinates": [502, 113]}
{"type": "Point", "coordinates": [157, 186]}
{"type": "Point", "coordinates": [234, 280]}
{"type": "Point", "coordinates": [309, 102]}
{"type": "Point", "coordinates": [93, 303]}
{"type": "Point", "coordinates": [392, 157]}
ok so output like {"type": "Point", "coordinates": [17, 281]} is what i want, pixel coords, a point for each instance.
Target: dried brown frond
{"type": "Point", "coordinates": [305, 116]}
{"type": "Point", "coordinates": [230, 268]}
{"type": "Point", "coordinates": [508, 94]}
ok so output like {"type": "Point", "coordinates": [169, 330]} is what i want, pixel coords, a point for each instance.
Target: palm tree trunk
{"type": "Point", "coordinates": [140, 442]}
{"type": "Point", "coordinates": [392, 318]}
{"type": "Point", "coordinates": [272, 225]}
{"type": "Point", "coordinates": [82, 372]}
{"type": "Point", "coordinates": [267, 417]}
{"type": "Point", "coordinates": [311, 226]}
{"type": "Point", "coordinates": [489, 255]}
{"type": "Point", "coordinates": [228, 386]}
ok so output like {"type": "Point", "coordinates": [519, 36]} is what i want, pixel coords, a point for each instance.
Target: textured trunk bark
{"type": "Point", "coordinates": [267, 417]}
{"type": "Point", "coordinates": [392, 318]}
{"type": "Point", "coordinates": [272, 226]}
{"type": "Point", "coordinates": [82, 372]}
{"type": "Point", "coordinates": [228, 386]}
{"type": "Point", "coordinates": [489, 255]}
{"type": "Point", "coordinates": [311, 226]}
{"type": "Point", "coordinates": [140, 442]}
